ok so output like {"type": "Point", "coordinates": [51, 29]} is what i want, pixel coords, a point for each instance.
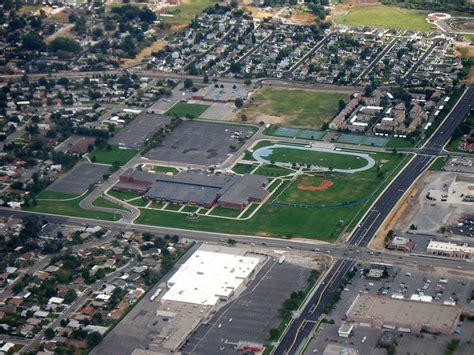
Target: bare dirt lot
{"type": "Point", "coordinates": [154, 47]}
{"type": "Point", "coordinates": [325, 184]}
{"type": "Point", "coordinates": [302, 18]}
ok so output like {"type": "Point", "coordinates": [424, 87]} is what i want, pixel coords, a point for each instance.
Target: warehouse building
{"type": "Point", "coordinates": [403, 315]}
{"type": "Point", "coordinates": [205, 190]}
{"type": "Point", "coordinates": [454, 250]}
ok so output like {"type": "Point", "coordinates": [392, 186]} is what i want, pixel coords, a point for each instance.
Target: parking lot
{"type": "Point", "coordinates": [251, 316]}
{"type": "Point", "coordinates": [79, 178]}
{"type": "Point", "coordinates": [200, 143]}
{"type": "Point", "coordinates": [137, 132]}
{"type": "Point", "coordinates": [403, 281]}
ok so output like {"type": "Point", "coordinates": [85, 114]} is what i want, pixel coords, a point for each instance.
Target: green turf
{"type": "Point", "coordinates": [122, 195]}
{"type": "Point", "coordinates": [328, 160]}
{"type": "Point", "coordinates": [281, 221]}
{"type": "Point", "coordinates": [190, 209]}
{"type": "Point", "coordinates": [71, 208]}
{"type": "Point", "coordinates": [299, 108]}
{"type": "Point", "coordinates": [386, 17]}
{"type": "Point", "coordinates": [106, 156]}
{"type": "Point", "coordinates": [272, 170]}
{"type": "Point", "coordinates": [243, 168]}
{"type": "Point", "coordinates": [399, 143]}
{"type": "Point", "coordinates": [183, 109]}
{"type": "Point", "coordinates": [185, 12]}
{"type": "Point", "coordinates": [102, 202]}
{"type": "Point", "coordinates": [250, 209]}
{"type": "Point", "coordinates": [225, 212]}
{"type": "Point", "coordinates": [345, 188]}
{"type": "Point", "coordinates": [173, 207]}
{"type": "Point", "coordinates": [165, 169]}
{"type": "Point", "coordinates": [53, 195]}
{"type": "Point", "coordinates": [139, 202]}
{"type": "Point", "coordinates": [470, 37]}
{"type": "Point", "coordinates": [439, 163]}
{"type": "Point", "coordinates": [157, 204]}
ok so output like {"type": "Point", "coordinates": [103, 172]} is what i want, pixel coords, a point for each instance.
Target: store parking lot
{"type": "Point", "coordinates": [251, 316]}
{"type": "Point", "coordinates": [78, 179]}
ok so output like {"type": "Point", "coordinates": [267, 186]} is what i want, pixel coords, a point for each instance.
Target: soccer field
{"type": "Point", "coordinates": [386, 17]}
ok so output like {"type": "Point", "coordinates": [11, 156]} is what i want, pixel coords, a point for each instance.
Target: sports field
{"type": "Point", "coordinates": [286, 221]}
{"type": "Point", "coordinates": [183, 109]}
{"type": "Point", "coordinates": [386, 17]}
{"type": "Point", "coordinates": [299, 108]}
{"type": "Point", "coordinates": [184, 13]}
{"type": "Point", "coordinates": [327, 160]}
{"type": "Point", "coordinates": [112, 155]}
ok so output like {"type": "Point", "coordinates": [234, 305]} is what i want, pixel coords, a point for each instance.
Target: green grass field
{"type": "Point", "coordinates": [70, 208]}
{"type": "Point", "coordinates": [299, 108]}
{"type": "Point", "coordinates": [166, 169]}
{"type": "Point", "coordinates": [439, 164]}
{"type": "Point", "coordinates": [272, 170]}
{"type": "Point", "coordinates": [102, 202]}
{"type": "Point", "coordinates": [453, 145]}
{"type": "Point", "coordinates": [106, 156]}
{"type": "Point", "coordinates": [122, 195]}
{"type": "Point", "coordinates": [399, 143]}
{"type": "Point", "coordinates": [183, 109]}
{"type": "Point", "coordinates": [54, 195]}
{"type": "Point", "coordinates": [139, 202]}
{"type": "Point", "coordinates": [243, 168]}
{"type": "Point", "coordinates": [248, 155]}
{"type": "Point", "coordinates": [184, 13]}
{"type": "Point", "coordinates": [173, 207]}
{"type": "Point", "coordinates": [279, 221]}
{"type": "Point", "coordinates": [225, 212]}
{"type": "Point", "coordinates": [328, 160]}
{"type": "Point", "coordinates": [386, 17]}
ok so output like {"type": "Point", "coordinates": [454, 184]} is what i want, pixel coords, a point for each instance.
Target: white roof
{"type": "Point", "coordinates": [56, 300]}
{"type": "Point", "coordinates": [443, 246]}
{"type": "Point", "coordinates": [206, 276]}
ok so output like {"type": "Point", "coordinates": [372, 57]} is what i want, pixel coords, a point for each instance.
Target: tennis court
{"type": "Point", "coordinates": [362, 140]}
{"type": "Point", "coordinates": [299, 133]}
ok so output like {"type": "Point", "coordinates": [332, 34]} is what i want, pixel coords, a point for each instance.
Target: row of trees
{"type": "Point", "coordinates": [34, 41]}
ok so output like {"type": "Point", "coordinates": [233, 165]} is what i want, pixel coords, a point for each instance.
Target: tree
{"type": "Point", "coordinates": [231, 241]}
{"type": "Point", "coordinates": [238, 102]}
{"type": "Point", "coordinates": [93, 339]}
{"type": "Point", "coordinates": [49, 333]}
{"type": "Point", "coordinates": [235, 67]}
{"type": "Point", "coordinates": [65, 44]}
{"type": "Point", "coordinates": [274, 334]}
{"type": "Point", "coordinates": [188, 83]}
{"type": "Point", "coordinates": [33, 41]}
{"type": "Point", "coordinates": [70, 296]}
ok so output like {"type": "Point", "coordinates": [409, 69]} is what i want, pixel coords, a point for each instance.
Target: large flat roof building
{"type": "Point", "coordinates": [208, 276]}
{"type": "Point", "coordinates": [203, 189]}
{"type": "Point", "coordinates": [404, 315]}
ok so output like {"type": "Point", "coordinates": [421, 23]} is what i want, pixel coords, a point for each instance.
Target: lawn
{"type": "Point", "coordinates": [272, 170]}
{"type": "Point", "coordinates": [399, 143]}
{"type": "Point", "coordinates": [166, 169]}
{"type": "Point", "coordinates": [299, 108]}
{"type": "Point", "coordinates": [386, 17]}
{"type": "Point", "coordinates": [54, 195]}
{"type": "Point", "coordinates": [139, 202]}
{"type": "Point", "coordinates": [122, 195]}
{"type": "Point", "coordinates": [70, 208]}
{"type": "Point", "coordinates": [183, 109]}
{"type": "Point", "coordinates": [243, 168]}
{"type": "Point", "coordinates": [112, 154]}
{"type": "Point", "coordinates": [225, 212]}
{"type": "Point", "coordinates": [173, 207]}
{"type": "Point", "coordinates": [248, 155]}
{"type": "Point", "coordinates": [439, 163]}
{"type": "Point", "coordinates": [102, 202]}
{"type": "Point", "coordinates": [328, 160]}
{"type": "Point", "coordinates": [184, 13]}
{"type": "Point", "coordinates": [281, 221]}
